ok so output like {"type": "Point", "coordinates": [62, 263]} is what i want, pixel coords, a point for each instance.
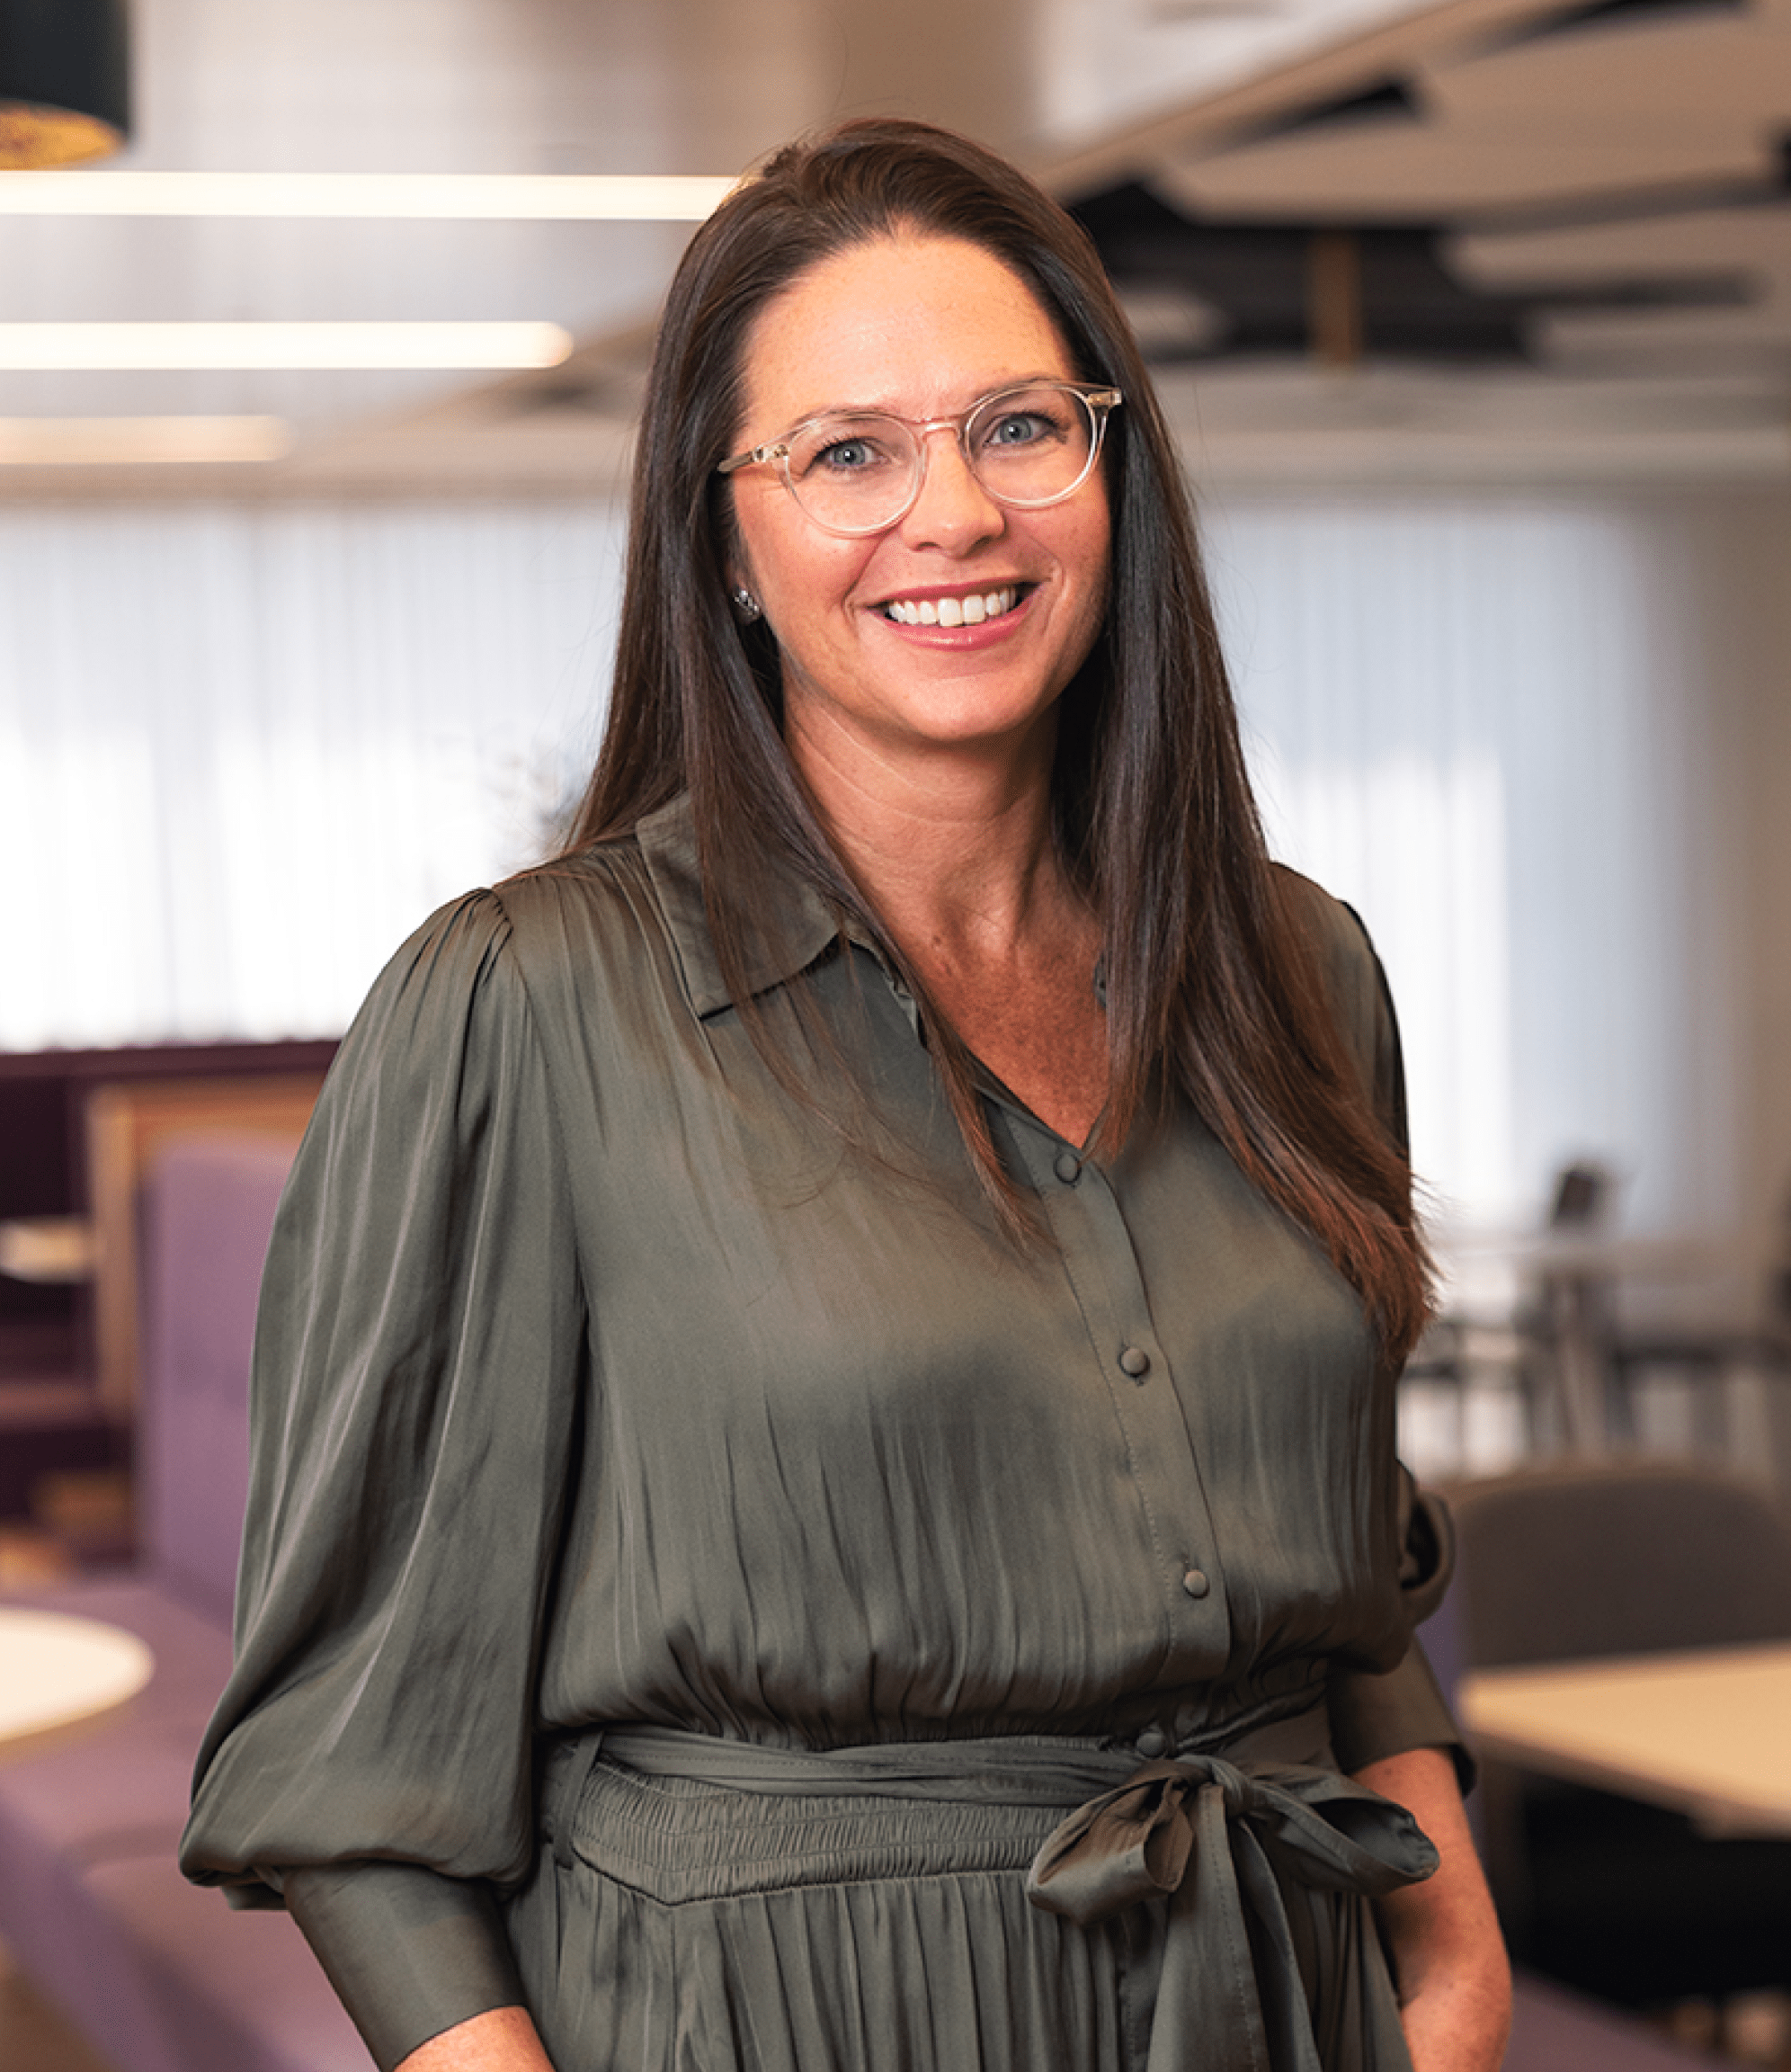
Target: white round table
{"type": "Point", "coordinates": [56, 1670]}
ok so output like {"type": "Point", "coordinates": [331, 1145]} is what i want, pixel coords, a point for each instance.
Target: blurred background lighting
{"type": "Point", "coordinates": [85, 346]}
{"type": "Point", "coordinates": [64, 442]}
{"type": "Point", "coordinates": [513, 196]}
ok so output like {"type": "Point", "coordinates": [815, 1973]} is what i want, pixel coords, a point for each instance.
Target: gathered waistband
{"type": "Point", "coordinates": [683, 1816]}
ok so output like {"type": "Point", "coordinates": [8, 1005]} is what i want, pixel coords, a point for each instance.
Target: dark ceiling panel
{"type": "Point", "coordinates": [1259, 278]}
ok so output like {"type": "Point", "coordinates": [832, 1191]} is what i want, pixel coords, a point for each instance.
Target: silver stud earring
{"type": "Point", "coordinates": [747, 607]}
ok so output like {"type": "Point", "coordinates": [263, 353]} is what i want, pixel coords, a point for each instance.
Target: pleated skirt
{"type": "Point", "coordinates": [678, 1925]}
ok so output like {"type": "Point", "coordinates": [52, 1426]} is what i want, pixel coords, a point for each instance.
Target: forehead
{"type": "Point", "coordinates": [918, 325]}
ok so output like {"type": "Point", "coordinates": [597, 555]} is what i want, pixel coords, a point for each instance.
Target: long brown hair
{"type": "Point", "coordinates": [1209, 982]}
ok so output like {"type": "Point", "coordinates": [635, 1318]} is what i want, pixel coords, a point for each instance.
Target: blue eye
{"type": "Point", "coordinates": [837, 449]}
{"type": "Point", "coordinates": [845, 455]}
{"type": "Point", "coordinates": [1021, 428]}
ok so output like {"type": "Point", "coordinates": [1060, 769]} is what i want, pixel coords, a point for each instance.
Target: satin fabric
{"type": "Point", "coordinates": [597, 1382]}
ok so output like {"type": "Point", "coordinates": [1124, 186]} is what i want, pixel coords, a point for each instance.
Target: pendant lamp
{"type": "Point", "coordinates": [64, 81]}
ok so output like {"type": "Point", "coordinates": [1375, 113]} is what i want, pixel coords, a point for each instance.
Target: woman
{"type": "Point", "coordinates": [835, 1344]}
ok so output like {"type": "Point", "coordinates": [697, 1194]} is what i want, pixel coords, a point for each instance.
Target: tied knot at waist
{"type": "Point", "coordinates": [1199, 1831]}
{"type": "Point", "coordinates": [1136, 1842]}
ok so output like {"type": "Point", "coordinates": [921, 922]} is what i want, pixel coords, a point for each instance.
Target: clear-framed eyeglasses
{"type": "Point", "coordinates": [858, 471]}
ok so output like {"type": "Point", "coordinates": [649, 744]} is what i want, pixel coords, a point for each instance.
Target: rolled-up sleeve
{"type": "Point", "coordinates": [1375, 1716]}
{"type": "Point", "coordinates": [417, 1380]}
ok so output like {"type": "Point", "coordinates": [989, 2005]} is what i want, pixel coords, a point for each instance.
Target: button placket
{"type": "Point", "coordinates": [1101, 1264]}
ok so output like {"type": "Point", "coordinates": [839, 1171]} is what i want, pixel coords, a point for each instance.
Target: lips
{"type": "Point", "coordinates": [974, 610]}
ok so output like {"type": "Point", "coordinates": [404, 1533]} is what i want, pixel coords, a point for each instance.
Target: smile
{"type": "Point", "coordinates": [953, 611]}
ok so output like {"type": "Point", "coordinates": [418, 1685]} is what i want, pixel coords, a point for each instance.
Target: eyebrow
{"type": "Point", "coordinates": [889, 409]}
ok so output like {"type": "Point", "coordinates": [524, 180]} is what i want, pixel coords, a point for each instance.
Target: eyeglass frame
{"type": "Point", "coordinates": [1099, 399]}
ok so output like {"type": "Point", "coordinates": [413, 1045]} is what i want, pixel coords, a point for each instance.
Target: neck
{"type": "Point", "coordinates": [952, 847]}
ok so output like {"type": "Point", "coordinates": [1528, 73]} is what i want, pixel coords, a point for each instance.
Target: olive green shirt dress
{"type": "Point", "coordinates": [601, 1382]}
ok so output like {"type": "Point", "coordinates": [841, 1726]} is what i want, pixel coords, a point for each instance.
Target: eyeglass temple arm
{"type": "Point", "coordinates": [776, 450]}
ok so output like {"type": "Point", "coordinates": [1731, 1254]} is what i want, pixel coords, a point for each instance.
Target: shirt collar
{"type": "Point", "coordinates": [799, 928]}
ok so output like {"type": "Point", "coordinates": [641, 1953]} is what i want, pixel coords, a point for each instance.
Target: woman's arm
{"type": "Point", "coordinates": [504, 2041]}
{"type": "Point", "coordinates": [419, 1366]}
{"type": "Point", "coordinates": [1449, 1958]}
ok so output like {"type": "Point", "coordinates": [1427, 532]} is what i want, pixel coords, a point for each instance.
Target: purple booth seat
{"type": "Point", "coordinates": [209, 1208]}
{"type": "Point", "coordinates": [166, 1978]}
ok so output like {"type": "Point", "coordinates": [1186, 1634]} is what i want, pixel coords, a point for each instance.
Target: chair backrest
{"type": "Point", "coordinates": [1586, 1561]}
{"type": "Point", "coordinates": [208, 1204]}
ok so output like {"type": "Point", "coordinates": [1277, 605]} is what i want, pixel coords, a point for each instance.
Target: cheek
{"type": "Point", "coordinates": [808, 576]}
{"type": "Point", "coordinates": [1091, 556]}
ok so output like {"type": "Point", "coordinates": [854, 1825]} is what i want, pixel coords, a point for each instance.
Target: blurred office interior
{"type": "Point", "coordinates": [1475, 320]}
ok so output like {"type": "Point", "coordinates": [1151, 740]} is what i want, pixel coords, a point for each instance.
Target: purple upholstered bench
{"type": "Point", "coordinates": [164, 1977]}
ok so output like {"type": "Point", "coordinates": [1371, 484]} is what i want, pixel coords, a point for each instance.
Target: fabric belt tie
{"type": "Point", "coordinates": [1192, 1829]}
{"type": "Point", "coordinates": [1197, 1829]}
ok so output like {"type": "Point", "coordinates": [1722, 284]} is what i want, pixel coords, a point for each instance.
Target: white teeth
{"type": "Point", "coordinates": [953, 611]}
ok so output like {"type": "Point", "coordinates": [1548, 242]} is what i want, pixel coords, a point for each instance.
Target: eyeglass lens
{"type": "Point", "coordinates": [858, 471]}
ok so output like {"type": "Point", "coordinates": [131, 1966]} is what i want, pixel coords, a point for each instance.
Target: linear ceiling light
{"type": "Point", "coordinates": [98, 441]}
{"type": "Point", "coordinates": [545, 197]}
{"type": "Point", "coordinates": [141, 347]}
{"type": "Point", "coordinates": [64, 81]}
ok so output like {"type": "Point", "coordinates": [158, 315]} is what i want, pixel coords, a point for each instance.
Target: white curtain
{"type": "Point", "coordinates": [1489, 723]}
{"type": "Point", "coordinates": [243, 751]}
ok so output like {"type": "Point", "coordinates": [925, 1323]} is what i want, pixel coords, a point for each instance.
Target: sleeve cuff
{"type": "Point", "coordinates": [409, 1952]}
{"type": "Point", "coordinates": [1377, 1715]}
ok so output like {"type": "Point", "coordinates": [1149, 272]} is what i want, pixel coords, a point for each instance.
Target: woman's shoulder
{"type": "Point", "coordinates": [1355, 984]}
{"type": "Point", "coordinates": [595, 887]}
{"type": "Point", "coordinates": [487, 951]}
{"type": "Point", "coordinates": [1331, 926]}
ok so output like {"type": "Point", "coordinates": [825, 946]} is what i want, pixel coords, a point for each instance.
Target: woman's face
{"type": "Point", "coordinates": [920, 326]}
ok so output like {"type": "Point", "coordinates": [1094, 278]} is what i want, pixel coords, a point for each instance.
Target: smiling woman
{"type": "Point", "coordinates": [825, 1492]}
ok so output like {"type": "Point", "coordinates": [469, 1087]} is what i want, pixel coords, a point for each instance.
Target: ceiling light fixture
{"type": "Point", "coordinates": [503, 197]}
{"type": "Point", "coordinates": [132, 442]}
{"type": "Point", "coordinates": [43, 348]}
{"type": "Point", "coordinates": [64, 81]}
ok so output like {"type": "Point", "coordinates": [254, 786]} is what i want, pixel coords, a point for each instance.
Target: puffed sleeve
{"type": "Point", "coordinates": [1375, 1715]}
{"type": "Point", "coordinates": [416, 1380]}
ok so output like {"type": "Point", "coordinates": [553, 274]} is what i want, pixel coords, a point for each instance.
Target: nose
{"type": "Point", "coordinates": [953, 511]}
